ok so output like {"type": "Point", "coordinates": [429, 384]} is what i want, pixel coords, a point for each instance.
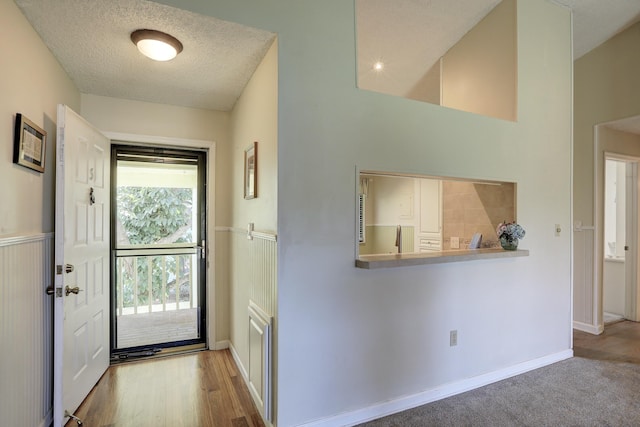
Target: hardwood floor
{"type": "Point", "coordinates": [619, 342]}
{"type": "Point", "coordinates": [194, 390]}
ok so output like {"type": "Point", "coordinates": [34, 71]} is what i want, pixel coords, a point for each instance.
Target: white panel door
{"type": "Point", "coordinates": [81, 320]}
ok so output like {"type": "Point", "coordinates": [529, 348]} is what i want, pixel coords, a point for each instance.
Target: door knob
{"type": "Point", "coordinates": [74, 290]}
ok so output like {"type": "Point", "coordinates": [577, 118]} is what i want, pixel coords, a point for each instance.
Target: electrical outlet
{"type": "Point", "coordinates": [453, 338]}
{"type": "Point", "coordinates": [455, 243]}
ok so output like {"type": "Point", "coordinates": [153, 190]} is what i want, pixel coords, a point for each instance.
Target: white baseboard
{"type": "Point", "coordinates": [221, 345]}
{"type": "Point", "coordinates": [236, 358]}
{"type": "Point", "coordinates": [245, 375]}
{"type": "Point", "coordinates": [585, 327]}
{"type": "Point", "coordinates": [441, 392]}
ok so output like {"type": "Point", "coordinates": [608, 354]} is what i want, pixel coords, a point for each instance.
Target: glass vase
{"type": "Point", "coordinates": [508, 244]}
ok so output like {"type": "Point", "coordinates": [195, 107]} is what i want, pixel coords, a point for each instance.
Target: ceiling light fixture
{"type": "Point", "coordinates": [378, 66]}
{"type": "Point", "coordinates": [156, 45]}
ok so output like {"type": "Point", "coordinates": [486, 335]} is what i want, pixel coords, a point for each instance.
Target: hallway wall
{"type": "Point", "coordinates": [32, 83]}
{"type": "Point", "coordinates": [606, 88]}
{"type": "Point", "coordinates": [168, 121]}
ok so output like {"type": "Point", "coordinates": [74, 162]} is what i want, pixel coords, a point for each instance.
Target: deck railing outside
{"type": "Point", "coordinates": [151, 282]}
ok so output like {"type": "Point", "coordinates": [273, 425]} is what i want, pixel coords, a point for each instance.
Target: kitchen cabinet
{"type": "Point", "coordinates": [428, 231]}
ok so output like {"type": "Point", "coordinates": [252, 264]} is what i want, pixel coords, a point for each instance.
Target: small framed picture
{"type": "Point", "coordinates": [29, 144]}
{"type": "Point", "coordinates": [251, 171]}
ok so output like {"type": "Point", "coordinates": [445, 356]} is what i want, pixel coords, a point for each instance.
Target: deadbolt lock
{"type": "Point", "coordinates": [54, 291]}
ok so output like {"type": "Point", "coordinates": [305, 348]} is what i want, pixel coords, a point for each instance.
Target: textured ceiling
{"type": "Point", "coordinates": [91, 41]}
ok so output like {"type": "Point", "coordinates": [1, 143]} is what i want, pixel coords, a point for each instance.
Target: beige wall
{"type": "Point", "coordinates": [254, 118]}
{"type": "Point", "coordinates": [606, 87]}
{"type": "Point", "coordinates": [168, 121]}
{"type": "Point", "coordinates": [32, 83]}
{"type": "Point", "coordinates": [479, 74]}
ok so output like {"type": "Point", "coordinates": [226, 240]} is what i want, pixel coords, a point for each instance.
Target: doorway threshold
{"type": "Point", "coordinates": [134, 355]}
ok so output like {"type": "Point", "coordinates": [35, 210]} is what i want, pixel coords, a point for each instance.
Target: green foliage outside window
{"type": "Point", "coordinates": [154, 216]}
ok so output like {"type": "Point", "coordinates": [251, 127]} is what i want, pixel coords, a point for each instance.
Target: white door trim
{"type": "Point", "coordinates": [631, 261]}
{"type": "Point", "coordinates": [599, 176]}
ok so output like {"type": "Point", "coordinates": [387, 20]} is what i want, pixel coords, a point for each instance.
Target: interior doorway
{"type": "Point", "coordinates": [615, 239]}
{"type": "Point", "coordinates": [158, 240]}
{"type": "Point", "coordinates": [620, 232]}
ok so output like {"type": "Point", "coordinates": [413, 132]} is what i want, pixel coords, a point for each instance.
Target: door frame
{"type": "Point", "coordinates": [604, 149]}
{"type": "Point", "coordinates": [179, 153]}
{"type": "Point", "coordinates": [631, 282]}
{"type": "Point", "coordinates": [210, 146]}
{"type": "Point", "coordinates": [632, 189]}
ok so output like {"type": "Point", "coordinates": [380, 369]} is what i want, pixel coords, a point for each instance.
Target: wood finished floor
{"type": "Point", "coordinates": [194, 390]}
{"type": "Point", "coordinates": [619, 342]}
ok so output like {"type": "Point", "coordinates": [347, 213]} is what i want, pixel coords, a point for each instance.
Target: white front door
{"type": "Point", "coordinates": [81, 320]}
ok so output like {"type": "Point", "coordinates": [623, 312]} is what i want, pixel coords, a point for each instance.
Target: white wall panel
{"type": "Point", "coordinates": [26, 270]}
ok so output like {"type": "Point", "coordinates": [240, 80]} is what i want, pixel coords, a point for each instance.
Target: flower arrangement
{"type": "Point", "coordinates": [509, 233]}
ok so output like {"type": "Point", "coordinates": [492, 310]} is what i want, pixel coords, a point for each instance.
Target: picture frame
{"type": "Point", "coordinates": [251, 171]}
{"type": "Point", "coordinates": [29, 144]}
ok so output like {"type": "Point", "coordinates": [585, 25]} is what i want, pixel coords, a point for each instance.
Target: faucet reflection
{"type": "Point", "coordinates": [399, 239]}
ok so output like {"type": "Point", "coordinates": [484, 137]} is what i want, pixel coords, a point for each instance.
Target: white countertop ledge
{"type": "Point", "coordinates": [370, 262]}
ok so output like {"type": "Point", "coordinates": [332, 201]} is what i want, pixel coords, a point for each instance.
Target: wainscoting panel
{"type": "Point", "coordinates": [263, 283]}
{"type": "Point", "coordinates": [26, 334]}
{"type": "Point", "coordinates": [252, 282]}
{"type": "Point", "coordinates": [583, 277]}
{"type": "Point", "coordinates": [257, 260]}
{"type": "Point", "coordinates": [259, 372]}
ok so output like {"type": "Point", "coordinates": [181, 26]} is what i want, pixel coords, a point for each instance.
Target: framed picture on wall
{"type": "Point", "coordinates": [251, 171]}
{"type": "Point", "coordinates": [29, 144]}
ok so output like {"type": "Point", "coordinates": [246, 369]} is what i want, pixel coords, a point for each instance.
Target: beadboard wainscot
{"type": "Point", "coordinates": [252, 296]}
{"type": "Point", "coordinates": [26, 334]}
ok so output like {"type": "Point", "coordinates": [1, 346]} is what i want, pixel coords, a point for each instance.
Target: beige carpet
{"type": "Point", "coordinates": [574, 392]}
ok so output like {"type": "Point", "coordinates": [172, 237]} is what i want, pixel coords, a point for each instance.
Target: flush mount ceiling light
{"type": "Point", "coordinates": [156, 45]}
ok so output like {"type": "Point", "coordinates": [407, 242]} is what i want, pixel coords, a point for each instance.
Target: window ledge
{"type": "Point", "coordinates": [423, 258]}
